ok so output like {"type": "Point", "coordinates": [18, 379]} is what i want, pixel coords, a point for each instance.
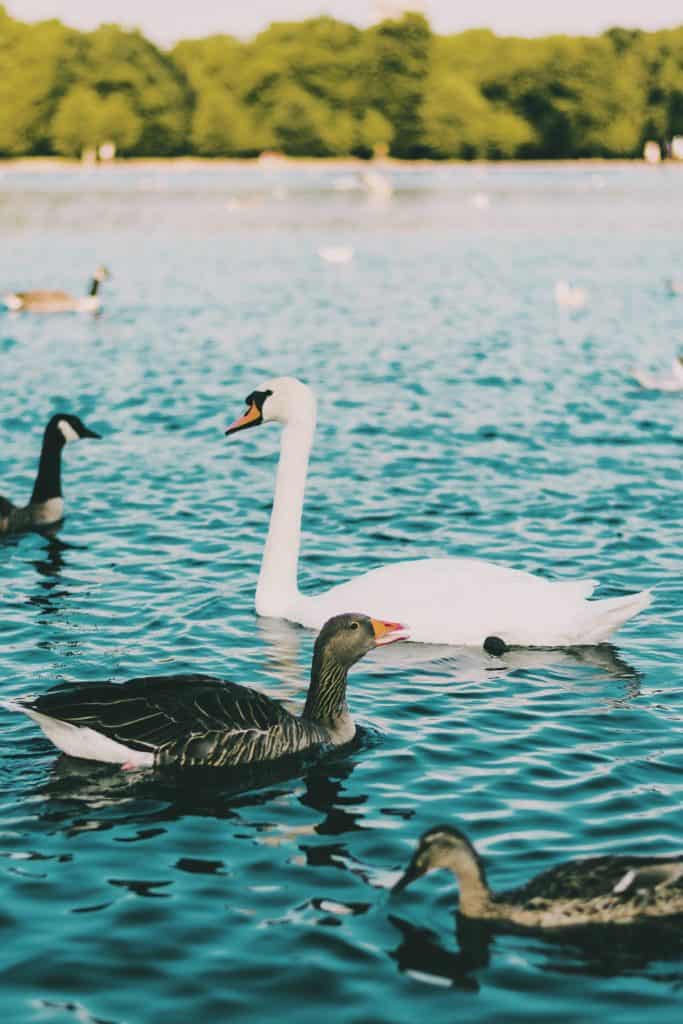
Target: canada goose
{"type": "Point", "coordinates": [598, 890]}
{"type": "Point", "coordinates": [46, 505]}
{"type": "Point", "coordinates": [459, 601]}
{"type": "Point", "coordinates": [199, 721]}
{"type": "Point", "coordinates": [58, 301]}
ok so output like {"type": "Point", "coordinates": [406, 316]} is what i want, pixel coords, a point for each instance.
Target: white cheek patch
{"type": "Point", "coordinates": [67, 431]}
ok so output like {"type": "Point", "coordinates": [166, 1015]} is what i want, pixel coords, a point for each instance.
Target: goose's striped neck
{"type": "Point", "coordinates": [326, 701]}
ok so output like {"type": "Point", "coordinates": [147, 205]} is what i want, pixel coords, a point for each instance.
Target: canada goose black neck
{"type": "Point", "coordinates": [94, 286]}
{"type": "Point", "coordinates": [49, 479]}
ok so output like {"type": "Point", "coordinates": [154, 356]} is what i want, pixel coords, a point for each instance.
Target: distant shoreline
{"type": "Point", "coordinates": [49, 164]}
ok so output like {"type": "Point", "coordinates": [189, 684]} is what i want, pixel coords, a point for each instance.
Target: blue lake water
{"type": "Point", "coordinates": [460, 412]}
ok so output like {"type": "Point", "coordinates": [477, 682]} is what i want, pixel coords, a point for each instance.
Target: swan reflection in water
{"type": "Point", "coordinates": [283, 643]}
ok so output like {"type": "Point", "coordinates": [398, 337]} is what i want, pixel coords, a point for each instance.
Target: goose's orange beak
{"type": "Point", "coordinates": [388, 632]}
{"type": "Point", "coordinates": [249, 419]}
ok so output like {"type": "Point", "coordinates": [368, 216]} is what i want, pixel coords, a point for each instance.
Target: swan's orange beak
{"type": "Point", "coordinates": [388, 632]}
{"type": "Point", "coordinates": [250, 418]}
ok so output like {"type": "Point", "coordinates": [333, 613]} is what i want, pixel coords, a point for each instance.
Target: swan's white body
{"type": "Point", "coordinates": [654, 383]}
{"type": "Point", "coordinates": [456, 601]}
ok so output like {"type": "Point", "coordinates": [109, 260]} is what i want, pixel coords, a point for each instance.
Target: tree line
{"type": "Point", "coordinates": [322, 87]}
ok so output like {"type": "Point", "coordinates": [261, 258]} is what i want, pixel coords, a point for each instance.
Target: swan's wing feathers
{"type": "Point", "coordinates": [148, 713]}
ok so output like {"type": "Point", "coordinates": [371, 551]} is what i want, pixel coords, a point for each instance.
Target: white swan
{"type": "Point", "coordinates": [440, 600]}
{"type": "Point", "coordinates": [654, 383]}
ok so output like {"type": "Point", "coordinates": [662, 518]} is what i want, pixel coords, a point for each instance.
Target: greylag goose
{"type": "Point", "coordinates": [198, 721]}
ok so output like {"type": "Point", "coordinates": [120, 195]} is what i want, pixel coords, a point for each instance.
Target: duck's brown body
{"type": "Point", "coordinates": [599, 890]}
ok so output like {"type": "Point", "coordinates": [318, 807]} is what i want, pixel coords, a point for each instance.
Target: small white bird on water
{"type": "Point", "coordinates": [336, 253]}
{"type": "Point", "coordinates": [650, 381]}
{"type": "Point", "coordinates": [569, 296]}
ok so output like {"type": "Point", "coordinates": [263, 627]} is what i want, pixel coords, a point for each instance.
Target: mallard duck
{"type": "Point", "coordinates": [46, 506]}
{"type": "Point", "coordinates": [598, 890]}
{"type": "Point", "coordinates": [198, 721]}
{"type": "Point", "coordinates": [58, 301]}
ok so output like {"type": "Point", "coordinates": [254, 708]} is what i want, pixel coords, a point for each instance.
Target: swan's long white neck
{"type": "Point", "coordinates": [277, 584]}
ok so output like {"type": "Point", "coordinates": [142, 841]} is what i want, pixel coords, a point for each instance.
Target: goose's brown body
{"type": "Point", "coordinates": [199, 721]}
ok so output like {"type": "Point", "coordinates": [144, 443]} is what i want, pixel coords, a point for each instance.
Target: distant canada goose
{"type": "Point", "coordinates": [57, 301]}
{"type": "Point", "coordinates": [198, 721]}
{"type": "Point", "coordinates": [598, 890]}
{"type": "Point", "coordinates": [651, 382]}
{"type": "Point", "coordinates": [46, 506]}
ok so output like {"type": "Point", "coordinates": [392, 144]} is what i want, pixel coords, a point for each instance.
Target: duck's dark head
{"type": "Point", "coordinates": [64, 427]}
{"type": "Point", "coordinates": [344, 639]}
{"type": "Point", "coordinates": [442, 847]}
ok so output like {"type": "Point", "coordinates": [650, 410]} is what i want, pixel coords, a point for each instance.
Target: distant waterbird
{"type": "Point", "coordinates": [46, 505]}
{"type": "Point", "coordinates": [621, 889]}
{"type": "Point", "coordinates": [197, 721]}
{"type": "Point", "coordinates": [653, 382]}
{"type": "Point", "coordinates": [58, 301]}
{"type": "Point", "coordinates": [377, 185]}
{"type": "Point", "coordinates": [336, 253]}
{"type": "Point", "coordinates": [570, 296]}
{"type": "Point", "coordinates": [459, 601]}
{"type": "Point", "coordinates": [481, 201]}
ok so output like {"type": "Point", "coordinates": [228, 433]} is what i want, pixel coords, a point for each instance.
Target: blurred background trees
{"type": "Point", "coordinates": [324, 88]}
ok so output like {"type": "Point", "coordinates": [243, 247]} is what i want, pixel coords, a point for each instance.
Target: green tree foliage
{"type": "Point", "coordinates": [398, 62]}
{"type": "Point", "coordinates": [321, 87]}
{"type": "Point", "coordinates": [221, 126]}
{"type": "Point", "coordinates": [84, 120]}
{"type": "Point", "coordinates": [37, 65]}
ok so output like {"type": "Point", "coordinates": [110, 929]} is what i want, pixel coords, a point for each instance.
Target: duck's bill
{"type": "Point", "coordinates": [388, 632]}
{"type": "Point", "coordinates": [410, 874]}
{"type": "Point", "coordinates": [91, 433]}
{"type": "Point", "coordinates": [251, 418]}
